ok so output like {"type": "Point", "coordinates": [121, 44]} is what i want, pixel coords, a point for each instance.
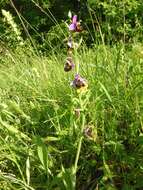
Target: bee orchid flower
{"type": "Point", "coordinates": [69, 65]}
{"type": "Point", "coordinates": [75, 25]}
{"type": "Point", "coordinates": [79, 83]}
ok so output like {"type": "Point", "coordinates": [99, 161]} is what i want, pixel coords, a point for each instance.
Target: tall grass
{"type": "Point", "coordinates": [40, 130]}
{"type": "Point", "coordinates": [53, 138]}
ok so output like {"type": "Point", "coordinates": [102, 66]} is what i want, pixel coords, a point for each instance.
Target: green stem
{"type": "Point", "coordinates": [76, 61]}
{"type": "Point", "coordinates": [79, 144]}
{"type": "Point", "coordinates": [78, 154]}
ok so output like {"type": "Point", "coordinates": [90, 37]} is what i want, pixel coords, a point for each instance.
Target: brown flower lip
{"type": "Point", "coordinates": [90, 132]}
{"type": "Point", "coordinates": [69, 65]}
{"type": "Point", "coordinates": [77, 112]}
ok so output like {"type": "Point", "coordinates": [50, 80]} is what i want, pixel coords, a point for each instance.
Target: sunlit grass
{"type": "Point", "coordinates": [40, 132]}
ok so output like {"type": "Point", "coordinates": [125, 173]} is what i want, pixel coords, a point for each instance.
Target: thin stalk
{"type": "Point", "coordinates": [77, 67]}
{"type": "Point", "coordinates": [76, 60]}
{"type": "Point", "coordinates": [79, 144]}
{"type": "Point", "coordinates": [78, 153]}
{"type": "Point", "coordinates": [24, 27]}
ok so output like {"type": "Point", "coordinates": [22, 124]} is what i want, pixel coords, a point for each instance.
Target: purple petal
{"type": "Point", "coordinates": [77, 76]}
{"type": "Point", "coordinates": [72, 27]}
{"type": "Point", "coordinates": [74, 19]}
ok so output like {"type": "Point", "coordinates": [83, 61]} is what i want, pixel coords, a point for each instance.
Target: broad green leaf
{"type": "Point", "coordinates": [42, 153]}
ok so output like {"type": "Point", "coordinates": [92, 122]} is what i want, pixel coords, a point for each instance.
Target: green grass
{"type": "Point", "coordinates": [45, 146]}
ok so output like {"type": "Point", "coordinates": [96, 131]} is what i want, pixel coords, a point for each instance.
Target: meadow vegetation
{"type": "Point", "coordinates": [55, 137]}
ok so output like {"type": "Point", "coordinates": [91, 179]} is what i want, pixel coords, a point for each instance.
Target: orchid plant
{"type": "Point", "coordinates": [80, 85]}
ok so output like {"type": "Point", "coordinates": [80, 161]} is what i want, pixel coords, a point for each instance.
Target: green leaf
{"type": "Point", "coordinates": [106, 92]}
{"type": "Point", "coordinates": [42, 153]}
